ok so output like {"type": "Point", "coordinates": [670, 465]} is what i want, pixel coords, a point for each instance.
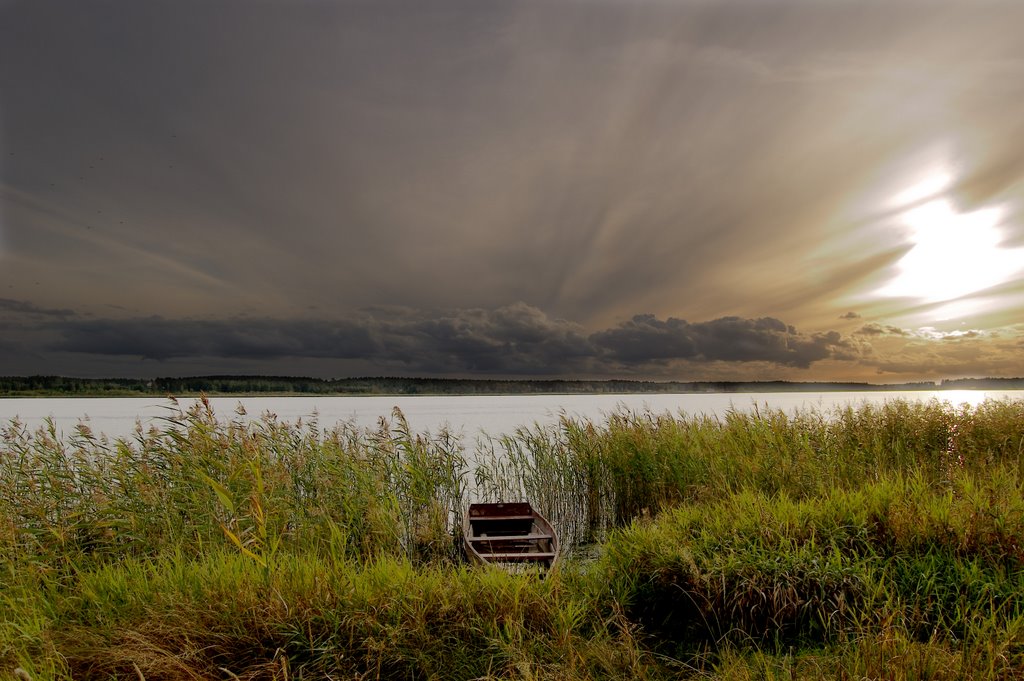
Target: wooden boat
{"type": "Point", "coordinates": [509, 534]}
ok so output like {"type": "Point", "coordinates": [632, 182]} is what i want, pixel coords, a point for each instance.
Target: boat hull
{"type": "Point", "coordinates": [512, 535]}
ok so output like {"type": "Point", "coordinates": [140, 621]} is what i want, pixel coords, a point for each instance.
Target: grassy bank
{"type": "Point", "coordinates": [879, 542]}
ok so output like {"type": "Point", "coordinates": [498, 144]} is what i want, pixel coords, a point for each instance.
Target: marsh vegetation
{"type": "Point", "coordinates": [873, 541]}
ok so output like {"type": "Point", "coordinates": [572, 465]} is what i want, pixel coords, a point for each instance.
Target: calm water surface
{"type": "Point", "coordinates": [469, 416]}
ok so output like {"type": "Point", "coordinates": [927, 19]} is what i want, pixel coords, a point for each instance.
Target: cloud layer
{"type": "Point", "coordinates": [514, 340]}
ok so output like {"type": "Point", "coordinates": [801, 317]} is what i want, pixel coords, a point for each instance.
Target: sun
{"type": "Point", "coordinates": [953, 254]}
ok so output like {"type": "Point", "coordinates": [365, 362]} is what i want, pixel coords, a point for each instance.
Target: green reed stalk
{"type": "Point", "coordinates": [868, 541]}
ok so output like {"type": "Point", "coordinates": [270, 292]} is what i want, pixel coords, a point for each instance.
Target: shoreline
{"type": "Point", "coordinates": [275, 386]}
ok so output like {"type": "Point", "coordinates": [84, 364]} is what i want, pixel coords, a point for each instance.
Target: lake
{"type": "Point", "coordinates": [469, 416]}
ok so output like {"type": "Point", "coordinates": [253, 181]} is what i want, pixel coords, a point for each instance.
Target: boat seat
{"type": "Point", "coordinates": [518, 556]}
{"type": "Point", "coordinates": [510, 537]}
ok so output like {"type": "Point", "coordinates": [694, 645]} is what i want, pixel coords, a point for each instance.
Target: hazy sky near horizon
{"type": "Point", "coordinates": [668, 189]}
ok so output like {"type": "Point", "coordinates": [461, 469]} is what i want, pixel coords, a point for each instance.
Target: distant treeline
{"type": "Point", "coordinates": [11, 386]}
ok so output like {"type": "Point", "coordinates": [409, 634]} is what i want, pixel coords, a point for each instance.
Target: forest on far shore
{"type": "Point", "coordinates": [32, 386]}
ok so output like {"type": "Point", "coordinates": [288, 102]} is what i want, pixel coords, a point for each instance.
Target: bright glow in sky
{"type": "Point", "coordinates": [953, 254]}
{"type": "Point", "coordinates": [930, 186]}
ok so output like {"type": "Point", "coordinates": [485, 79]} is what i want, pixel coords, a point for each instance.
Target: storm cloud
{"type": "Point", "coordinates": [511, 340]}
{"type": "Point", "coordinates": [515, 341]}
{"type": "Point", "coordinates": [645, 339]}
{"type": "Point", "coordinates": [161, 339]}
{"type": "Point", "coordinates": [21, 307]}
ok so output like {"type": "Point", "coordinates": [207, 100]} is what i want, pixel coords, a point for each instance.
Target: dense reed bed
{"type": "Point", "coordinates": [875, 541]}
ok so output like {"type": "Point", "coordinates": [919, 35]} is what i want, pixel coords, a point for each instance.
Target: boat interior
{"type": "Point", "coordinates": [510, 532]}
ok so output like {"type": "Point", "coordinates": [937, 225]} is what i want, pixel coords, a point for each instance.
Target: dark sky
{"type": "Point", "coordinates": [633, 188]}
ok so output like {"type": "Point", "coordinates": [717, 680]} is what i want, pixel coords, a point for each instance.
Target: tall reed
{"type": "Point", "coordinates": [593, 477]}
{"type": "Point", "coordinates": [878, 541]}
{"type": "Point", "coordinates": [261, 486]}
